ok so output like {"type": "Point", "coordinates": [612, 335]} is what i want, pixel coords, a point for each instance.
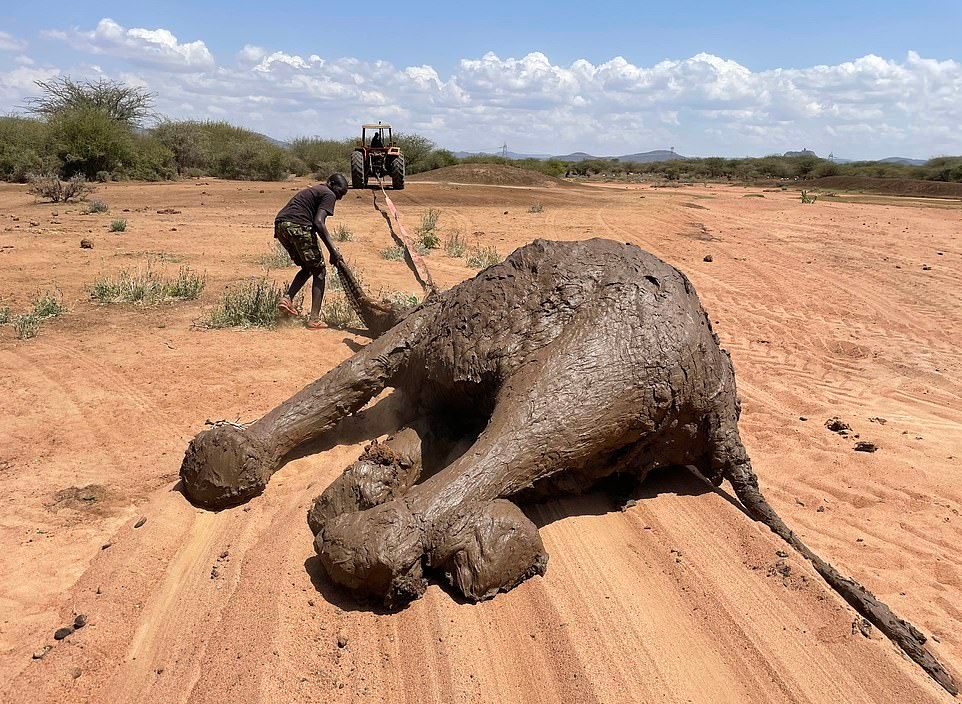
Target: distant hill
{"type": "Point", "coordinates": [578, 156]}
{"type": "Point", "coordinates": [656, 155]}
{"type": "Point", "coordinates": [640, 157]}
{"type": "Point", "coordinates": [803, 152]}
{"type": "Point", "coordinates": [903, 160]}
{"type": "Point", "coordinates": [275, 142]}
{"type": "Point", "coordinates": [509, 155]}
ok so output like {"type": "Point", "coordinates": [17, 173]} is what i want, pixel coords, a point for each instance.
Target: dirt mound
{"type": "Point", "coordinates": [490, 175]}
{"type": "Point", "coordinates": [889, 186]}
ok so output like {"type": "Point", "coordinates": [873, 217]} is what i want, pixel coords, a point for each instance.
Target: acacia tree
{"type": "Point", "coordinates": [130, 105]}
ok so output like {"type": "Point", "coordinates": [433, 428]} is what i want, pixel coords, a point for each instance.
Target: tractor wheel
{"type": "Point", "coordinates": [397, 173]}
{"type": "Point", "coordinates": [357, 170]}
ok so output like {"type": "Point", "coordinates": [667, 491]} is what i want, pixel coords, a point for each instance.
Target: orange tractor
{"type": "Point", "coordinates": [377, 155]}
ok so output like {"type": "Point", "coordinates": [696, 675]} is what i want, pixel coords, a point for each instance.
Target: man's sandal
{"type": "Point", "coordinates": [315, 325]}
{"type": "Point", "coordinates": [286, 305]}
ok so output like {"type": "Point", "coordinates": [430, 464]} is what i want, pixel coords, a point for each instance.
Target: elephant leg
{"type": "Point", "coordinates": [568, 409]}
{"type": "Point", "coordinates": [229, 464]}
{"type": "Point", "coordinates": [383, 472]}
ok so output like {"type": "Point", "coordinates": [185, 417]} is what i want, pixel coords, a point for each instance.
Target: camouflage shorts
{"type": "Point", "coordinates": [300, 243]}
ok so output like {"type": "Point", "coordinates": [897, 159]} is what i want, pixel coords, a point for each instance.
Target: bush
{"type": "Point", "coordinates": [146, 287]}
{"type": "Point", "coordinates": [48, 305]}
{"type": "Point", "coordinates": [96, 206]}
{"type": "Point", "coordinates": [151, 161]}
{"type": "Point", "coordinates": [53, 189]}
{"type": "Point", "coordinates": [428, 237]}
{"type": "Point", "coordinates": [455, 245]}
{"type": "Point", "coordinates": [322, 157]}
{"type": "Point", "coordinates": [26, 326]}
{"type": "Point", "coordinates": [119, 225]}
{"type": "Point", "coordinates": [253, 304]}
{"type": "Point", "coordinates": [188, 143]}
{"type": "Point", "coordinates": [416, 149]}
{"type": "Point", "coordinates": [401, 299]}
{"type": "Point", "coordinates": [342, 233]}
{"type": "Point", "coordinates": [394, 254]}
{"type": "Point", "coordinates": [253, 161]}
{"type": "Point", "coordinates": [536, 208]}
{"type": "Point", "coordinates": [483, 257]}
{"type": "Point", "coordinates": [276, 257]}
{"type": "Point", "coordinates": [808, 197]}
{"type": "Point", "coordinates": [87, 141]}
{"type": "Point", "coordinates": [4, 315]}
{"type": "Point", "coordinates": [25, 149]}
{"type": "Point", "coordinates": [339, 313]}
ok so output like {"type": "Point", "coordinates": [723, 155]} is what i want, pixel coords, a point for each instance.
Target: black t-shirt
{"type": "Point", "coordinates": [303, 207]}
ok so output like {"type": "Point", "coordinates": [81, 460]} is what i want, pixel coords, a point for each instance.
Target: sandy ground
{"type": "Point", "coordinates": [827, 311]}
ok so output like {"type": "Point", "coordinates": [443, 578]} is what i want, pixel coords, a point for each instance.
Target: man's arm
{"type": "Point", "coordinates": [320, 224]}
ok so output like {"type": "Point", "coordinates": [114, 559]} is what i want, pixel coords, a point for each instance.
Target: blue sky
{"type": "Point", "coordinates": [713, 77]}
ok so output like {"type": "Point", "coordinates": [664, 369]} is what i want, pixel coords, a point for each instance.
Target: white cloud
{"type": "Point", "coordinates": [868, 107]}
{"type": "Point", "coordinates": [19, 83]}
{"type": "Point", "coordinates": [158, 47]}
{"type": "Point", "coordinates": [10, 43]}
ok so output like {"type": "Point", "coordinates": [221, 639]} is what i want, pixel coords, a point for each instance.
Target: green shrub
{"type": "Point", "coordinates": [87, 141]}
{"type": "Point", "coordinates": [150, 161]}
{"type": "Point", "coordinates": [428, 237]}
{"type": "Point", "coordinates": [253, 161]}
{"type": "Point", "coordinates": [342, 233]}
{"type": "Point", "coordinates": [402, 299]}
{"type": "Point", "coordinates": [483, 257]}
{"type": "Point", "coordinates": [25, 149]}
{"type": "Point", "coordinates": [119, 225]}
{"type": "Point", "coordinates": [187, 286]}
{"type": "Point", "coordinates": [188, 143]}
{"type": "Point", "coordinates": [48, 305]}
{"type": "Point", "coordinates": [394, 254]}
{"type": "Point", "coordinates": [4, 315]}
{"type": "Point", "coordinates": [276, 257]}
{"type": "Point", "coordinates": [808, 197]}
{"type": "Point", "coordinates": [146, 287]}
{"type": "Point", "coordinates": [536, 208]}
{"type": "Point", "coordinates": [455, 245]}
{"type": "Point", "coordinates": [339, 313]}
{"type": "Point", "coordinates": [322, 157]}
{"type": "Point", "coordinates": [26, 326]}
{"type": "Point", "coordinates": [56, 191]}
{"type": "Point", "coordinates": [252, 304]}
{"type": "Point", "coordinates": [96, 206]}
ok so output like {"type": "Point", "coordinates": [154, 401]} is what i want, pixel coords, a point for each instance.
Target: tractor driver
{"type": "Point", "coordinates": [376, 141]}
{"type": "Point", "coordinates": [297, 227]}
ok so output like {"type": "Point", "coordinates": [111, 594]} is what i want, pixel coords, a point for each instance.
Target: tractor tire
{"type": "Point", "coordinates": [397, 173]}
{"type": "Point", "coordinates": [357, 170]}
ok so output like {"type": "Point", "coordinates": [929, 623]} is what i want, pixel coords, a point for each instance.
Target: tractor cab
{"type": "Point", "coordinates": [377, 136]}
{"type": "Point", "coordinates": [376, 154]}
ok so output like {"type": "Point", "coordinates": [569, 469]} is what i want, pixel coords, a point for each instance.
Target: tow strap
{"type": "Point", "coordinates": [414, 260]}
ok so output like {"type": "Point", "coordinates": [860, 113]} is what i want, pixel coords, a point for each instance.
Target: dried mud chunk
{"type": "Point", "coordinates": [837, 425]}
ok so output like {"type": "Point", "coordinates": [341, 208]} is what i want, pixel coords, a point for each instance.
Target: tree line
{"type": "Point", "coordinates": [98, 130]}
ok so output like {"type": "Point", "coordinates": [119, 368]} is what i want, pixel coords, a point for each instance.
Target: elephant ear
{"type": "Point", "coordinates": [490, 550]}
